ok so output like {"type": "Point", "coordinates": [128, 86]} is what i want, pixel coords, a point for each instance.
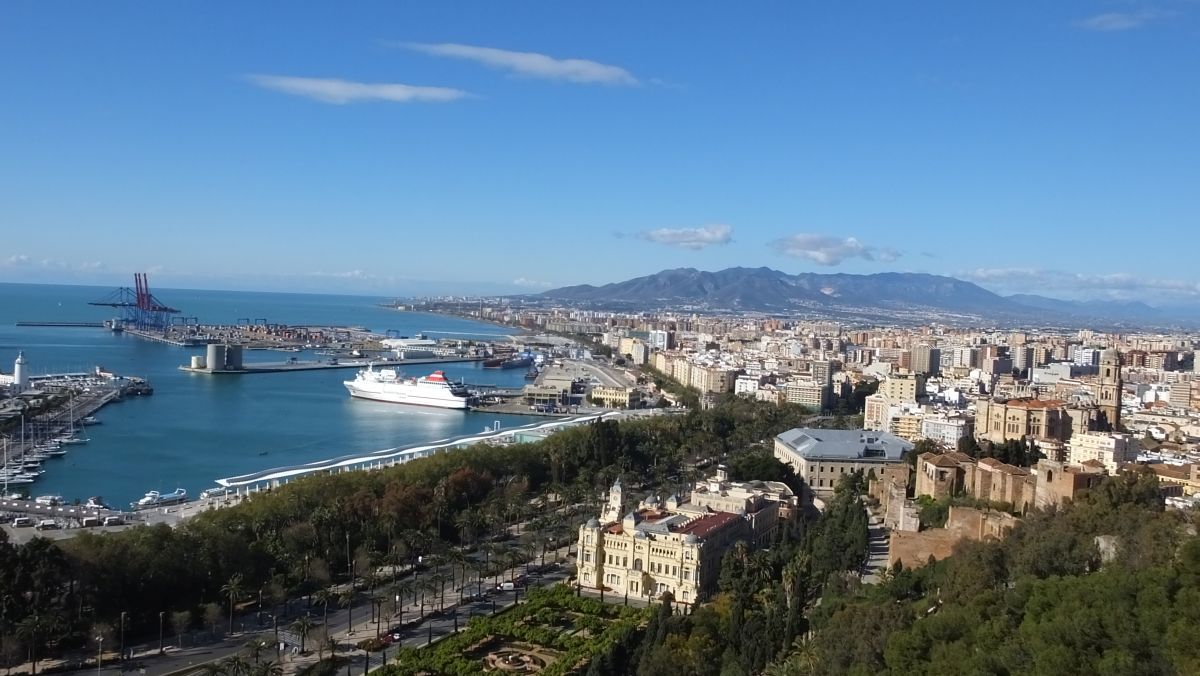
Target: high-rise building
{"type": "Point", "coordinates": [822, 372]}
{"type": "Point", "coordinates": [1109, 399]}
{"type": "Point", "coordinates": [965, 357]}
{"type": "Point", "coordinates": [1022, 357]}
{"type": "Point", "coordinates": [926, 360]}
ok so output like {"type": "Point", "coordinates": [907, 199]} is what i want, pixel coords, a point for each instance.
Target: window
{"type": "Point", "coordinates": [587, 557]}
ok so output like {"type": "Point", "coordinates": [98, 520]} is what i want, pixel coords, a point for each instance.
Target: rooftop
{"type": "Point", "coordinates": [845, 444]}
{"type": "Point", "coordinates": [707, 525]}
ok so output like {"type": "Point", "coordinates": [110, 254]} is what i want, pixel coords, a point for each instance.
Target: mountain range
{"type": "Point", "coordinates": [898, 296]}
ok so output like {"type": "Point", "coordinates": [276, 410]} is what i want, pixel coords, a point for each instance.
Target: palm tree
{"type": "Point", "coordinates": [325, 596]}
{"type": "Point", "coordinates": [269, 668]}
{"type": "Point", "coordinates": [28, 631]}
{"type": "Point", "coordinates": [236, 666]}
{"type": "Point", "coordinates": [255, 647]}
{"type": "Point", "coordinates": [468, 525]}
{"type": "Point", "coordinates": [439, 580]}
{"type": "Point", "coordinates": [213, 669]}
{"type": "Point", "coordinates": [457, 558]}
{"type": "Point", "coordinates": [346, 599]}
{"type": "Point", "coordinates": [303, 626]}
{"type": "Point", "coordinates": [402, 589]}
{"type": "Point", "coordinates": [232, 589]}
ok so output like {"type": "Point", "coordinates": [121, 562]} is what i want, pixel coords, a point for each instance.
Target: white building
{"type": "Point", "coordinates": [745, 384]}
{"type": "Point", "coordinates": [1113, 450]}
{"type": "Point", "coordinates": [947, 430]}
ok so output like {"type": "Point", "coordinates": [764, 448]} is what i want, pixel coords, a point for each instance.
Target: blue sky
{"type": "Point", "coordinates": [1045, 147]}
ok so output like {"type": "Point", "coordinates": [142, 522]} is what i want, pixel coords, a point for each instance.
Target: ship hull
{"type": "Point", "coordinates": [457, 403]}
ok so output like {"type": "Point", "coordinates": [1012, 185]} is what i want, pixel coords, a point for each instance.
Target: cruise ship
{"type": "Point", "coordinates": [387, 385]}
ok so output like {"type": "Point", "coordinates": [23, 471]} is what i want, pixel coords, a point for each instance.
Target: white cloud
{"type": "Point", "coordinates": [690, 238]}
{"type": "Point", "coordinates": [531, 64]}
{"type": "Point", "coordinates": [348, 274]}
{"type": "Point", "coordinates": [1120, 21]}
{"type": "Point", "coordinates": [531, 283]}
{"type": "Point", "coordinates": [345, 91]}
{"type": "Point", "coordinates": [16, 260]}
{"type": "Point", "coordinates": [827, 250]}
{"type": "Point", "coordinates": [1120, 285]}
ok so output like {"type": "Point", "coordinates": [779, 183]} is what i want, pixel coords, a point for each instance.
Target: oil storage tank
{"type": "Point", "coordinates": [233, 357]}
{"type": "Point", "coordinates": [216, 357]}
{"type": "Point", "coordinates": [198, 361]}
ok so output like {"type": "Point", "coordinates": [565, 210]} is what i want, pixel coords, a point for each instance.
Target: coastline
{"type": "Point", "coordinates": [519, 331]}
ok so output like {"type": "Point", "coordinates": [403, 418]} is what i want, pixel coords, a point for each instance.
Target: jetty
{"type": "Point", "coordinates": [311, 365]}
{"type": "Point", "coordinates": [69, 325]}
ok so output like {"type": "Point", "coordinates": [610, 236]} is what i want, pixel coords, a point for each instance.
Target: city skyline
{"type": "Point", "coordinates": [392, 150]}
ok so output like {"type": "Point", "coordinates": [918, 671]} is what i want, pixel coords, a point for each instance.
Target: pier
{"type": "Point", "coordinates": [69, 325]}
{"type": "Point", "coordinates": [289, 366]}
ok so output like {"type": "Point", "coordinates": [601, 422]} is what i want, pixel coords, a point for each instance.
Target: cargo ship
{"type": "Point", "coordinates": [388, 385]}
{"type": "Point", "coordinates": [518, 361]}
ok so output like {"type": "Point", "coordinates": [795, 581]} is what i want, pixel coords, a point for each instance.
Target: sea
{"type": "Point", "coordinates": [197, 428]}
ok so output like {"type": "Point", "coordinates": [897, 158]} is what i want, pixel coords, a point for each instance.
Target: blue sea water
{"type": "Point", "coordinates": [198, 428]}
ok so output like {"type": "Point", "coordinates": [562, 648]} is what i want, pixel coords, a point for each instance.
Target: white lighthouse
{"type": "Point", "coordinates": [20, 379]}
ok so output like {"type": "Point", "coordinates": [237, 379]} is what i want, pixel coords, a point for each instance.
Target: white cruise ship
{"type": "Point", "coordinates": [387, 385]}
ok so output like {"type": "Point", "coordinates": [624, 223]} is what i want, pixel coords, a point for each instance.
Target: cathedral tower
{"type": "Point", "coordinates": [1109, 398]}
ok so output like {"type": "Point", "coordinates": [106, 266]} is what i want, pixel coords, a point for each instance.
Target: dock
{"type": "Point", "coordinates": [70, 325]}
{"type": "Point", "coordinates": [161, 338]}
{"type": "Point", "coordinates": [290, 366]}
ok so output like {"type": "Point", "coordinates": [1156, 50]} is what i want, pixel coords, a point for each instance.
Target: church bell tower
{"type": "Point", "coordinates": [1109, 398]}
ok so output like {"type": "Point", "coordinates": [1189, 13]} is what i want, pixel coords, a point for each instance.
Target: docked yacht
{"type": "Point", "coordinates": [155, 499]}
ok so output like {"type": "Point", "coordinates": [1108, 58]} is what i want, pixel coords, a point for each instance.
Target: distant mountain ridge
{"type": "Point", "coordinates": [765, 289]}
{"type": "Point", "coordinates": [903, 295]}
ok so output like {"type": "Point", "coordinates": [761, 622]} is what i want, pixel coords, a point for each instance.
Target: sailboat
{"type": "Point", "coordinates": [71, 438]}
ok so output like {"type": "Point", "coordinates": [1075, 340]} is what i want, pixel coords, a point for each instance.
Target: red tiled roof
{"type": "Point", "coordinates": [709, 524]}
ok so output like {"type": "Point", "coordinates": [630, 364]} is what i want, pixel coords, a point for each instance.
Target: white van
{"type": "Point", "coordinates": [47, 524]}
{"type": "Point", "coordinates": [22, 522]}
{"type": "Point", "coordinates": [113, 521]}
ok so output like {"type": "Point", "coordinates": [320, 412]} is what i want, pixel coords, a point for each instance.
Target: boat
{"type": "Point", "coordinates": [72, 440]}
{"type": "Point", "coordinates": [388, 385]}
{"type": "Point", "coordinates": [531, 374]}
{"type": "Point", "coordinates": [514, 362]}
{"type": "Point", "coordinates": [95, 502]}
{"type": "Point", "coordinates": [155, 499]}
{"type": "Point", "coordinates": [216, 492]}
{"type": "Point", "coordinates": [89, 420]}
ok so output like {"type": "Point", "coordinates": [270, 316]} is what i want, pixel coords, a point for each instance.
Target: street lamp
{"type": "Point", "coordinates": [122, 635]}
{"type": "Point", "coordinates": [99, 652]}
{"type": "Point", "coordinates": [160, 632]}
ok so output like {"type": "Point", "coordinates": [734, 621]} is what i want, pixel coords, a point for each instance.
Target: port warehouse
{"type": "Point", "coordinates": [272, 478]}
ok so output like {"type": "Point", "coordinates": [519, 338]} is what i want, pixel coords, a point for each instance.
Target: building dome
{"type": "Point", "coordinates": [690, 539]}
{"type": "Point", "coordinates": [593, 522]}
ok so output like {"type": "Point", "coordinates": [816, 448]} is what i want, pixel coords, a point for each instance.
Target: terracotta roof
{"type": "Point", "coordinates": [707, 525]}
{"type": "Point", "coordinates": [614, 529]}
{"type": "Point", "coordinates": [941, 461]}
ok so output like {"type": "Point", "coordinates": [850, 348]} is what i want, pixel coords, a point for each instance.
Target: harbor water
{"type": "Point", "coordinates": [196, 428]}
